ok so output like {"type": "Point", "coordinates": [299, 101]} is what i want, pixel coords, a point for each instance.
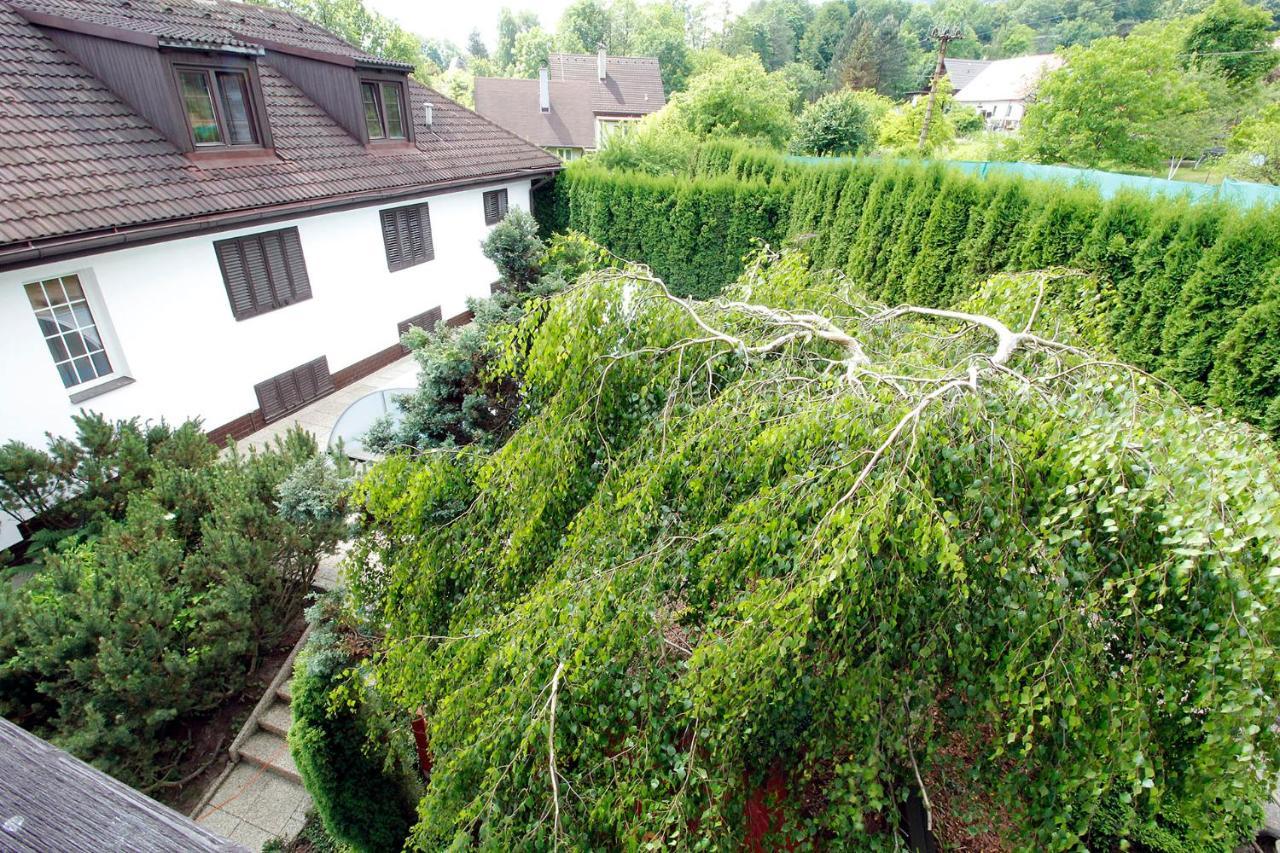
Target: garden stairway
{"type": "Point", "coordinates": [260, 795]}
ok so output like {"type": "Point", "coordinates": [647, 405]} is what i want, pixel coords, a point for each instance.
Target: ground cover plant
{"type": "Point", "coordinates": [797, 538]}
{"type": "Point", "coordinates": [173, 569]}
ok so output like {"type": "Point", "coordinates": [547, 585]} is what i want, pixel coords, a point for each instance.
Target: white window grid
{"type": "Point", "coordinates": [69, 330]}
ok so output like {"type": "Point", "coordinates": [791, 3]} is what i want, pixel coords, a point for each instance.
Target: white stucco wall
{"type": "Point", "coordinates": [165, 310]}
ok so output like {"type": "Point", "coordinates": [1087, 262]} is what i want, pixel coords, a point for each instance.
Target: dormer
{"type": "Point", "coordinates": [203, 95]}
{"type": "Point", "coordinates": [193, 69]}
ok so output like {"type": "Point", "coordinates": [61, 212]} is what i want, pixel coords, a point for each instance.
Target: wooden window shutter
{"type": "Point", "coordinates": [263, 272]}
{"type": "Point", "coordinates": [495, 206]}
{"type": "Point", "coordinates": [406, 236]}
{"type": "Point", "coordinates": [427, 320]}
{"type": "Point", "coordinates": [293, 389]}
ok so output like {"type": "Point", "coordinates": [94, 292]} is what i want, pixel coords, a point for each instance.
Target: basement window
{"type": "Point", "coordinates": [384, 114]}
{"type": "Point", "coordinates": [219, 107]}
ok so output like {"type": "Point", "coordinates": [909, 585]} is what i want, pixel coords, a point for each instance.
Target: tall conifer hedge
{"type": "Point", "coordinates": [1184, 278]}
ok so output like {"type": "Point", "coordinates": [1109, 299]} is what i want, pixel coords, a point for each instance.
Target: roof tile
{"type": "Point", "coordinates": [76, 159]}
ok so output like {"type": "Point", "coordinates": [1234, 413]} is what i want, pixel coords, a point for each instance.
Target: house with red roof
{"type": "Point", "coordinates": [576, 102]}
{"type": "Point", "coordinates": [218, 210]}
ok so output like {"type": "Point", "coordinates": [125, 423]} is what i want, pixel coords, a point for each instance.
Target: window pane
{"type": "Point", "coordinates": [391, 108]}
{"type": "Point", "coordinates": [84, 369]}
{"type": "Point", "coordinates": [57, 349]}
{"type": "Point", "coordinates": [100, 363]}
{"type": "Point", "coordinates": [72, 285]}
{"type": "Point", "coordinates": [372, 119]}
{"type": "Point", "coordinates": [75, 343]}
{"type": "Point", "coordinates": [68, 374]}
{"type": "Point", "coordinates": [35, 293]}
{"type": "Point", "coordinates": [92, 340]}
{"type": "Point", "coordinates": [66, 321]}
{"type": "Point", "coordinates": [199, 106]}
{"type": "Point", "coordinates": [47, 325]}
{"type": "Point", "coordinates": [234, 89]}
{"type": "Point", "coordinates": [53, 290]}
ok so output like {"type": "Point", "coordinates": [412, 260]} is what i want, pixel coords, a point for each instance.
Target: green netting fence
{"type": "Point", "coordinates": [1239, 193]}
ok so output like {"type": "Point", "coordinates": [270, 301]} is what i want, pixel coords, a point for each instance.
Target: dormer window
{"type": "Point", "coordinates": [219, 107]}
{"type": "Point", "coordinates": [384, 113]}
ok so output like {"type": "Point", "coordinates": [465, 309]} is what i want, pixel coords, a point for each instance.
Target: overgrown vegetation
{"type": "Point", "coordinates": [463, 395]}
{"type": "Point", "coordinates": [1184, 279]}
{"type": "Point", "coordinates": [795, 532]}
{"type": "Point", "coordinates": [169, 571]}
{"type": "Point", "coordinates": [351, 755]}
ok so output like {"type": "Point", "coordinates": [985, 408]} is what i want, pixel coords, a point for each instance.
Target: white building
{"type": "Point", "coordinates": [226, 225]}
{"type": "Point", "coordinates": [1001, 89]}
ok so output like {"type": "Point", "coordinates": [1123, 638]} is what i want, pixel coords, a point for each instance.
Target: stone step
{"type": "Point", "coordinates": [277, 718]}
{"type": "Point", "coordinates": [272, 752]}
{"type": "Point", "coordinates": [285, 691]}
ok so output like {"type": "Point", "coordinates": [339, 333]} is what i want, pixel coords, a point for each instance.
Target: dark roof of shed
{"type": "Point", "coordinates": [513, 103]}
{"type": "Point", "coordinates": [76, 161]}
{"type": "Point", "coordinates": [51, 800]}
{"type": "Point", "coordinates": [633, 84]}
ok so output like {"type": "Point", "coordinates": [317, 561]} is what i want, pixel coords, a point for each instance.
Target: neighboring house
{"type": "Point", "coordinates": [1001, 90]}
{"type": "Point", "coordinates": [217, 210]}
{"type": "Point", "coordinates": [576, 102]}
{"type": "Point", "coordinates": [962, 71]}
{"type": "Point", "coordinates": [959, 72]}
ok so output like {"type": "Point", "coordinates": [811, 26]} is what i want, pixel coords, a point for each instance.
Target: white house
{"type": "Point", "coordinates": [1001, 89]}
{"type": "Point", "coordinates": [217, 210]}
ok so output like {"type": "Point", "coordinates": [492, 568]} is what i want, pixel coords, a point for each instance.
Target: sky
{"type": "Point", "coordinates": [455, 19]}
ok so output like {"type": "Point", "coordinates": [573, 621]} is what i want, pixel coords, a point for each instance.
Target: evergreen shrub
{"type": "Point", "coordinates": [1184, 274]}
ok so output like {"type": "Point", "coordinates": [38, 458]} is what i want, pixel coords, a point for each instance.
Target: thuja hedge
{"type": "Point", "coordinates": [1191, 285]}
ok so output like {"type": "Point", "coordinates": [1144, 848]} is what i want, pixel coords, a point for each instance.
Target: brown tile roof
{"type": "Point", "coordinates": [76, 161]}
{"type": "Point", "coordinates": [513, 103]}
{"type": "Point", "coordinates": [204, 21]}
{"type": "Point", "coordinates": [632, 87]}
{"type": "Point", "coordinates": [633, 84]}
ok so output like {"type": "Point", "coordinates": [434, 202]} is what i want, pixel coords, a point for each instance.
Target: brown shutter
{"type": "Point", "coordinates": [426, 320]}
{"type": "Point", "coordinates": [406, 236]}
{"type": "Point", "coordinates": [391, 240]}
{"type": "Point", "coordinates": [235, 277]}
{"type": "Point", "coordinates": [263, 272]}
{"type": "Point", "coordinates": [495, 206]}
{"type": "Point", "coordinates": [293, 389]}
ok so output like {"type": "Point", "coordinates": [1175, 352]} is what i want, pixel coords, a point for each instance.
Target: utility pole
{"type": "Point", "coordinates": [943, 37]}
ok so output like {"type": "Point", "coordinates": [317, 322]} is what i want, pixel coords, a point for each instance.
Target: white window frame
{"type": "Point", "coordinates": [119, 373]}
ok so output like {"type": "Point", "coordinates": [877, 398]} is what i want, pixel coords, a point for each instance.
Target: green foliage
{"type": "Point", "coordinates": [159, 605]}
{"type": "Point", "coordinates": [1183, 273]}
{"type": "Point", "coordinates": [873, 54]}
{"type": "Point", "coordinates": [733, 97]}
{"type": "Point", "coordinates": [1125, 101]}
{"type": "Point", "coordinates": [340, 739]}
{"type": "Point", "coordinates": [460, 397]}
{"type": "Point", "coordinates": [1065, 575]}
{"type": "Point", "coordinates": [366, 29]}
{"type": "Point", "coordinates": [1233, 38]}
{"type": "Point", "coordinates": [900, 129]}
{"type": "Point", "coordinates": [837, 123]}
{"type": "Point", "coordinates": [1255, 142]}
{"type": "Point", "coordinates": [514, 248]}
